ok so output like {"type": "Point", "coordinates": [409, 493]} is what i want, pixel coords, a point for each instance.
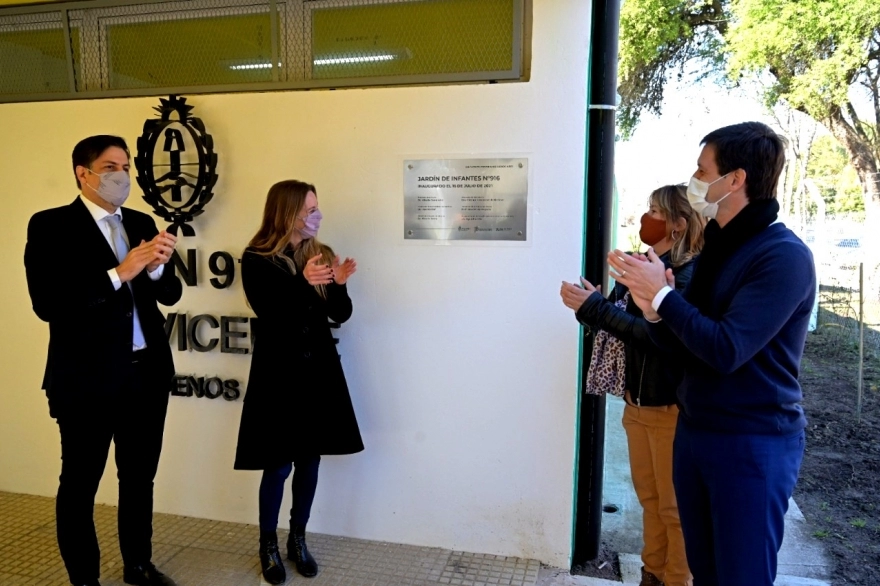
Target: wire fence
{"type": "Point", "coordinates": [849, 280]}
{"type": "Point", "coordinates": [848, 301]}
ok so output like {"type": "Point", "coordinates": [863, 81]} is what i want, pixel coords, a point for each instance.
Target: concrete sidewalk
{"type": "Point", "coordinates": [802, 559]}
{"type": "Point", "coordinates": [201, 552]}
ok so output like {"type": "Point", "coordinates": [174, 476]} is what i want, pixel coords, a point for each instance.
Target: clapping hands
{"type": "Point", "coordinates": [342, 271]}
{"type": "Point", "coordinates": [318, 273]}
{"type": "Point", "coordinates": [150, 255]}
{"type": "Point", "coordinates": [574, 296]}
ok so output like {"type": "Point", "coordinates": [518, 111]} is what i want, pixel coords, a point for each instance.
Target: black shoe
{"type": "Point", "coordinates": [649, 579]}
{"type": "Point", "coordinates": [270, 559]}
{"type": "Point", "coordinates": [146, 575]}
{"type": "Point", "coordinates": [298, 553]}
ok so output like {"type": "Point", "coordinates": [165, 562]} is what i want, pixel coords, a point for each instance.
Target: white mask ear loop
{"type": "Point", "coordinates": [726, 194]}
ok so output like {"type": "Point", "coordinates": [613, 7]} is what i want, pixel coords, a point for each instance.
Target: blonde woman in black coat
{"type": "Point", "coordinates": [297, 407]}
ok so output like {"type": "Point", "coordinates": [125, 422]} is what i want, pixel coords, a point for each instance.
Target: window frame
{"type": "Point", "coordinates": [92, 17]}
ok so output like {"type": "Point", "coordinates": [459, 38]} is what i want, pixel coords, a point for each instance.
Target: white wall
{"type": "Point", "coordinates": [461, 358]}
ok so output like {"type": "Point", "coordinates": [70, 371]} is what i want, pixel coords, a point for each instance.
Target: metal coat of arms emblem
{"type": "Point", "coordinates": [176, 164]}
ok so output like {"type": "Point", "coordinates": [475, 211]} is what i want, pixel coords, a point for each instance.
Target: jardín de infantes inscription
{"type": "Point", "coordinates": [465, 199]}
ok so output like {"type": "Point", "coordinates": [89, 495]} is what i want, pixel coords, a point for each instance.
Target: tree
{"type": "Point", "coordinates": [835, 178]}
{"type": "Point", "coordinates": [793, 193]}
{"type": "Point", "coordinates": [816, 56]}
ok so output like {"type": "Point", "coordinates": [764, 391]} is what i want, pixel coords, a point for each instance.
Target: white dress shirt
{"type": "Point", "coordinates": [99, 214]}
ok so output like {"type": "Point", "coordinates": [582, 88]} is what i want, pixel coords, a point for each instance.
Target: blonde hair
{"type": "Point", "coordinates": [673, 203]}
{"type": "Point", "coordinates": [284, 203]}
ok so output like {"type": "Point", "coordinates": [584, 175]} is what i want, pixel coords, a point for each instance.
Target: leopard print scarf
{"type": "Point", "coordinates": [608, 366]}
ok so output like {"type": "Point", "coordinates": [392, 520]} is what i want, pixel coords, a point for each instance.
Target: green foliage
{"type": "Point", "coordinates": [635, 242]}
{"type": "Point", "coordinates": [814, 49]}
{"type": "Point", "coordinates": [809, 54]}
{"type": "Point", "coordinates": [831, 171]}
{"type": "Point", "coordinates": [827, 158]}
{"type": "Point", "coordinates": [656, 38]}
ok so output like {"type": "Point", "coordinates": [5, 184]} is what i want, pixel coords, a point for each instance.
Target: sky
{"type": "Point", "coordinates": [664, 150]}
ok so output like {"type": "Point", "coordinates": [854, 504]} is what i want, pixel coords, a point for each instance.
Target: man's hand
{"type": "Point", "coordinates": [136, 260]}
{"type": "Point", "coordinates": [317, 274]}
{"type": "Point", "coordinates": [342, 271]}
{"type": "Point", "coordinates": [644, 276]}
{"type": "Point", "coordinates": [163, 247]}
{"type": "Point", "coordinates": [573, 296]}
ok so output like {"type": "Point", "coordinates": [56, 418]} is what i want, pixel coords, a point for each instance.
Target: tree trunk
{"type": "Point", "coordinates": [862, 159]}
{"type": "Point", "coordinates": [870, 179]}
{"type": "Point", "coordinates": [787, 195]}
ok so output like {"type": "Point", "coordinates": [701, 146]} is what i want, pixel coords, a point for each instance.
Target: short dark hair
{"type": "Point", "coordinates": [756, 149]}
{"type": "Point", "coordinates": [89, 149]}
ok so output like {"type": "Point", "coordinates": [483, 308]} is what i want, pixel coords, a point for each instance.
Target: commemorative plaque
{"type": "Point", "coordinates": [465, 199]}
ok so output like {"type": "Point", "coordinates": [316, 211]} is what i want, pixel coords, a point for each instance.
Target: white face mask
{"type": "Point", "coordinates": [696, 193]}
{"type": "Point", "coordinates": [114, 187]}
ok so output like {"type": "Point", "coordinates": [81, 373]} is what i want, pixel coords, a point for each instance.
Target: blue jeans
{"type": "Point", "coordinates": [305, 482]}
{"type": "Point", "coordinates": [732, 493]}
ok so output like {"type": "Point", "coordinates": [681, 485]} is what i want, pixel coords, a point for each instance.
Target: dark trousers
{"type": "Point", "coordinates": [134, 421]}
{"type": "Point", "coordinates": [732, 493]}
{"type": "Point", "coordinates": [305, 482]}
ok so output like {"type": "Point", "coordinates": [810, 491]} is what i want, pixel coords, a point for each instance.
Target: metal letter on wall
{"type": "Point", "coordinates": [465, 199]}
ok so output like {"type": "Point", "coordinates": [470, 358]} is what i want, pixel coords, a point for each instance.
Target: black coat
{"type": "Point", "coordinates": [652, 375]}
{"type": "Point", "coordinates": [297, 400]}
{"type": "Point", "coordinates": [90, 323]}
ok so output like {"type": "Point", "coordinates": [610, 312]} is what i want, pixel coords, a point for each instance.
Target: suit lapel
{"type": "Point", "coordinates": [105, 258]}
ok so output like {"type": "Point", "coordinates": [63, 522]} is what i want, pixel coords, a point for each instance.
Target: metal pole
{"type": "Point", "coordinates": [861, 339]}
{"type": "Point", "coordinates": [599, 203]}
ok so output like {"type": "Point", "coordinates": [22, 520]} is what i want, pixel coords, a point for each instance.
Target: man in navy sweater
{"type": "Point", "coordinates": [740, 328]}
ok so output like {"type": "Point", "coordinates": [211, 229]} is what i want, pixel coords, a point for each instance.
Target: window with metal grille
{"type": "Point", "coordinates": [124, 48]}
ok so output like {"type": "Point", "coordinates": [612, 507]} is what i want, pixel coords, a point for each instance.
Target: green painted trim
{"type": "Point", "coordinates": [580, 372]}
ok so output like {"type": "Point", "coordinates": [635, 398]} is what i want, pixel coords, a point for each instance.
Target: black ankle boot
{"type": "Point", "coordinates": [298, 553]}
{"type": "Point", "coordinates": [270, 559]}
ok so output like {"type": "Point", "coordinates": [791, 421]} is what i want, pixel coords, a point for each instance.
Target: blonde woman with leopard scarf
{"type": "Point", "coordinates": [626, 363]}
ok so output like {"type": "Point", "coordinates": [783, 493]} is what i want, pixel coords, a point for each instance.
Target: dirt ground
{"type": "Point", "coordinates": [839, 486]}
{"type": "Point", "coordinates": [606, 566]}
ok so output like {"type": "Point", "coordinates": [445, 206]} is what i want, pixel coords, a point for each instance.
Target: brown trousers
{"type": "Point", "coordinates": [649, 433]}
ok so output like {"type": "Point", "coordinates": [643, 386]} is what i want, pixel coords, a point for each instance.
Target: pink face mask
{"type": "Point", "coordinates": [312, 223]}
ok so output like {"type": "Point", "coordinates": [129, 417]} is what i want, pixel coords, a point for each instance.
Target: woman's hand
{"type": "Point", "coordinates": [342, 271]}
{"type": "Point", "coordinates": [317, 274]}
{"type": "Point", "coordinates": [644, 276]}
{"type": "Point", "coordinates": [573, 296]}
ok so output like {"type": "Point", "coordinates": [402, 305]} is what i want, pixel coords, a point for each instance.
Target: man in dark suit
{"type": "Point", "coordinates": [95, 272]}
